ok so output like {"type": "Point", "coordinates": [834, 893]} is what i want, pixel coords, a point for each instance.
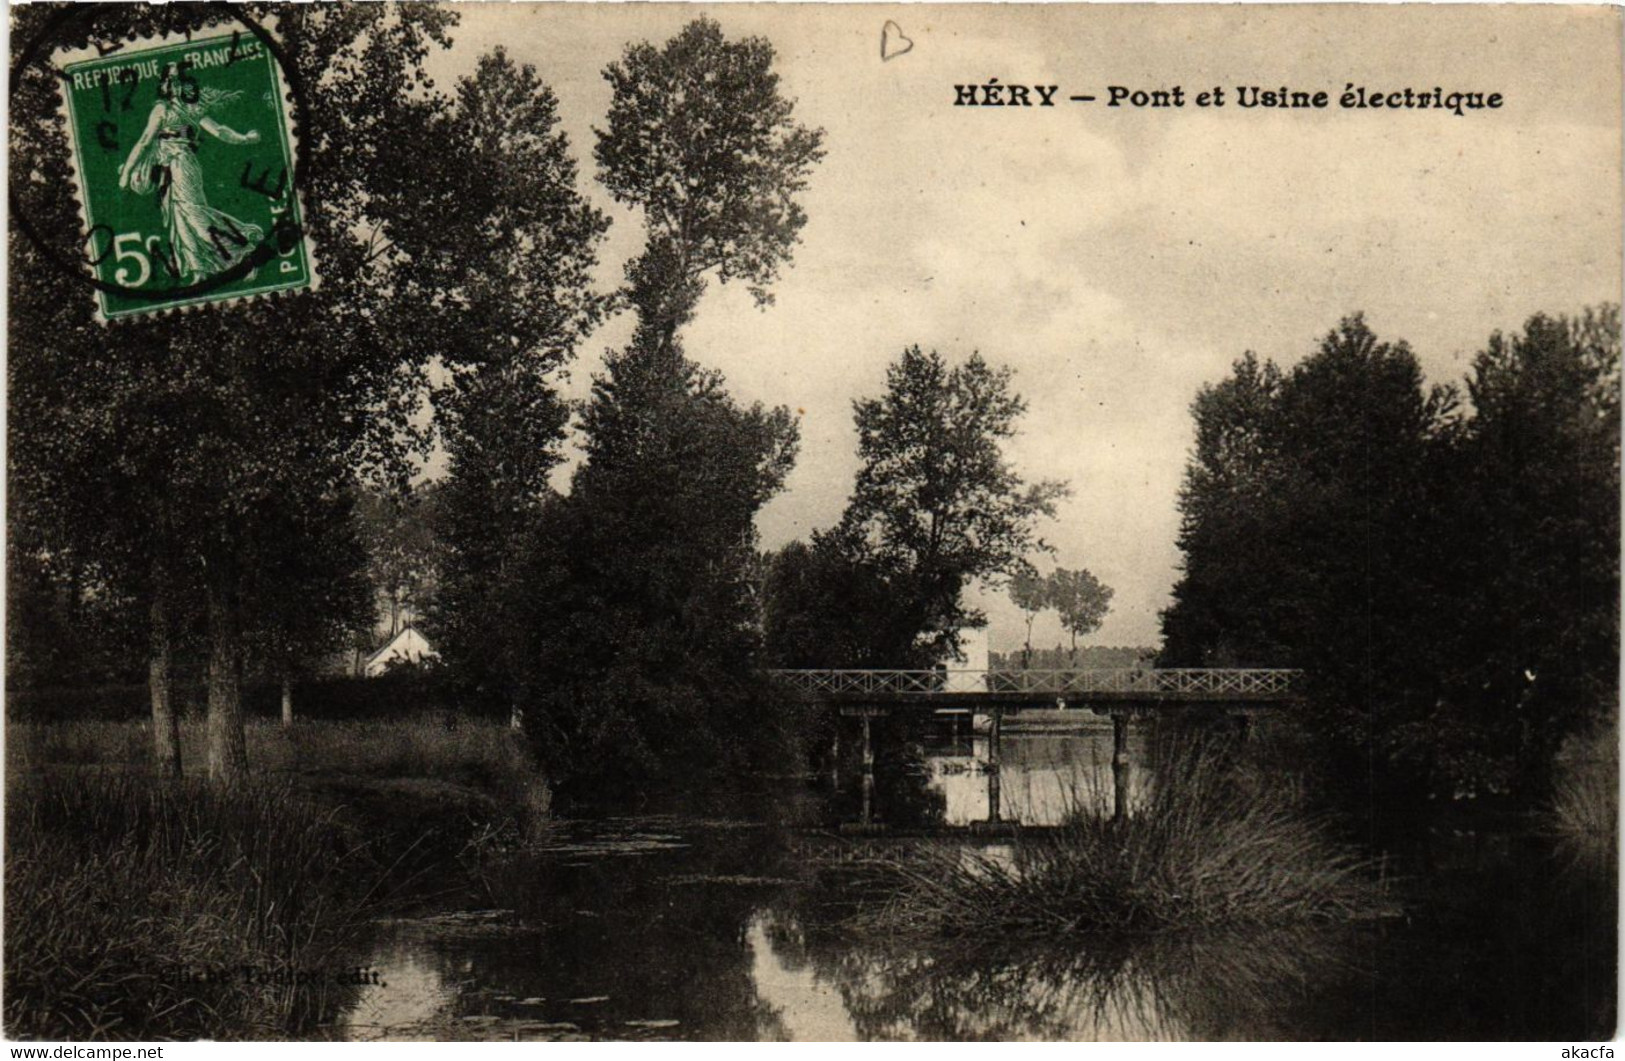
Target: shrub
{"type": "Point", "coordinates": [629, 735]}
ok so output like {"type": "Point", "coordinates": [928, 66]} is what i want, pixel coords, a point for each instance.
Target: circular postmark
{"type": "Point", "coordinates": [183, 153]}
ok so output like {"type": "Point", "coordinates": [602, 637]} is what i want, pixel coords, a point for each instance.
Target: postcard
{"type": "Point", "coordinates": [572, 522]}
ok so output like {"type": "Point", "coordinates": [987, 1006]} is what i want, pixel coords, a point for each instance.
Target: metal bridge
{"type": "Point", "coordinates": [1017, 688]}
{"type": "Point", "coordinates": [1123, 693]}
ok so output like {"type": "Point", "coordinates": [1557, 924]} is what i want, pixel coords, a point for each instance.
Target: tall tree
{"type": "Point", "coordinates": [1230, 498]}
{"type": "Point", "coordinates": [308, 593]}
{"type": "Point", "coordinates": [647, 621]}
{"type": "Point", "coordinates": [1357, 564]}
{"type": "Point", "coordinates": [398, 536]}
{"type": "Point", "coordinates": [1539, 644]}
{"type": "Point", "coordinates": [180, 434]}
{"type": "Point", "coordinates": [515, 244]}
{"type": "Point", "coordinates": [644, 577]}
{"type": "Point", "coordinates": [1083, 601]}
{"type": "Point", "coordinates": [937, 505]}
{"type": "Point", "coordinates": [703, 142]}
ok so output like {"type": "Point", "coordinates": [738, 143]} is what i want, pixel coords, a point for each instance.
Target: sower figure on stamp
{"type": "Point", "coordinates": [203, 240]}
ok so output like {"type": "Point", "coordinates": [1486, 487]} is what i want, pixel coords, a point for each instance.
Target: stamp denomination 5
{"type": "Point", "coordinates": [183, 154]}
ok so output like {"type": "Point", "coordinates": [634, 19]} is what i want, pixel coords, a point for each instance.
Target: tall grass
{"type": "Point", "coordinates": [482, 754]}
{"type": "Point", "coordinates": [1206, 846]}
{"type": "Point", "coordinates": [424, 746]}
{"type": "Point", "coordinates": [143, 909]}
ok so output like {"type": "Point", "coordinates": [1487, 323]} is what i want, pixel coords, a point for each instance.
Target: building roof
{"type": "Point", "coordinates": [409, 644]}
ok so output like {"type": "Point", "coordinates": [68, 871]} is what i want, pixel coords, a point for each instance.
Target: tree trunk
{"type": "Point", "coordinates": [287, 702]}
{"type": "Point", "coordinates": [166, 730]}
{"type": "Point", "coordinates": [228, 750]}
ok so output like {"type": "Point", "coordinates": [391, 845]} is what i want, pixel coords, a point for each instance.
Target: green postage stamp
{"type": "Point", "coordinates": [185, 162]}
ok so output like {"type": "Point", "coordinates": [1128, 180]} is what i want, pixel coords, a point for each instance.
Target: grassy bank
{"type": "Point", "coordinates": [1208, 845]}
{"type": "Point", "coordinates": [143, 908]}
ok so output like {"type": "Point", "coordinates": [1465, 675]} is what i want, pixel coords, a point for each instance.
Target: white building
{"type": "Point", "coordinates": [408, 646]}
{"type": "Point", "coordinates": [969, 675]}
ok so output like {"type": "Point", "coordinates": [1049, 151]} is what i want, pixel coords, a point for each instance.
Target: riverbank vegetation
{"type": "Point", "coordinates": [144, 907]}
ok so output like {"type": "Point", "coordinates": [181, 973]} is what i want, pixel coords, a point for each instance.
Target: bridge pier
{"type": "Point", "coordinates": [995, 719]}
{"type": "Point", "coordinates": [1120, 766]}
{"type": "Point", "coordinates": [1120, 693]}
{"type": "Point", "coordinates": [868, 774]}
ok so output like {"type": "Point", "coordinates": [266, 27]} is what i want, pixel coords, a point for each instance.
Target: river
{"type": "Point", "coordinates": [714, 924]}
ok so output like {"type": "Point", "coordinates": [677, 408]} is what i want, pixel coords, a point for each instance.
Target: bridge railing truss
{"type": "Point", "coordinates": [1196, 683]}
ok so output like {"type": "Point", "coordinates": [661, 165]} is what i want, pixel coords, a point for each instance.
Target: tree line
{"type": "Point", "coordinates": [231, 491]}
{"type": "Point", "coordinates": [1442, 561]}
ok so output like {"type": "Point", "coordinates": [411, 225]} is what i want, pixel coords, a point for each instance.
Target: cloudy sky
{"type": "Point", "coordinates": [1117, 258]}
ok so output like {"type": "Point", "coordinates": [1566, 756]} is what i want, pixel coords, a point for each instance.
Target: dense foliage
{"type": "Point", "coordinates": [1449, 578]}
{"type": "Point", "coordinates": [515, 250]}
{"type": "Point", "coordinates": [637, 642]}
{"type": "Point", "coordinates": [937, 506]}
{"type": "Point", "coordinates": [633, 616]}
{"type": "Point", "coordinates": [155, 452]}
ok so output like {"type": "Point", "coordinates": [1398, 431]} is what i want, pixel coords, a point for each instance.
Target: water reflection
{"type": "Point", "coordinates": [940, 771]}
{"type": "Point", "coordinates": [781, 981]}
{"type": "Point", "coordinates": [739, 934]}
{"type": "Point", "coordinates": [1207, 986]}
{"type": "Point", "coordinates": [730, 929]}
{"type": "Point", "coordinates": [413, 992]}
{"type": "Point", "coordinates": [1044, 777]}
{"type": "Point", "coordinates": [805, 1005]}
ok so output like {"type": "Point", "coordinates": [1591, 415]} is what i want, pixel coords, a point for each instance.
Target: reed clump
{"type": "Point", "coordinates": [1207, 845]}
{"type": "Point", "coordinates": [141, 909]}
